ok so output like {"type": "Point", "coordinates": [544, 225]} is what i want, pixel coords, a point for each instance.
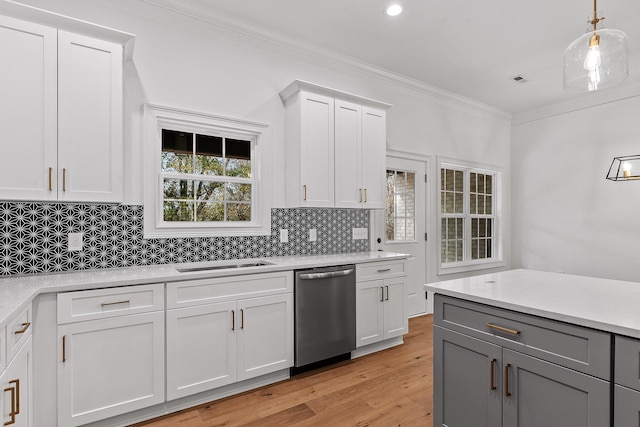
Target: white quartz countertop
{"type": "Point", "coordinates": [17, 292]}
{"type": "Point", "coordinates": [608, 305]}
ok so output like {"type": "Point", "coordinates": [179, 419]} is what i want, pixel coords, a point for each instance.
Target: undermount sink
{"type": "Point", "coordinates": [221, 267]}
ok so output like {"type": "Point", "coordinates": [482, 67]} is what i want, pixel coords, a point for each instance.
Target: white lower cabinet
{"type": "Point", "coordinates": [111, 365]}
{"type": "Point", "coordinates": [15, 383]}
{"type": "Point", "coordinates": [381, 303]}
{"type": "Point", "coordinates": [212, 345]}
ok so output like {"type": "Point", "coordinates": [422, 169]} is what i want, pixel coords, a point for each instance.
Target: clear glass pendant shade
{"type": "Point", "coordinates": [596, 60]}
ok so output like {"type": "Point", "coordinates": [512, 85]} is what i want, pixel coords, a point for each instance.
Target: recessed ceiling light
{"type": "Point", "coordinates": [394, 9]}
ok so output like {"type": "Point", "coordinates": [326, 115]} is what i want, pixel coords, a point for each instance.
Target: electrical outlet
{"type": "Point", "coordinates": [284, 235]}
{"type": "Point", "coordinates": [74, 242]}
{"type": "Point", "coordinates": [360, 233]}
{"type": "Point", "coordinates": [313, 235]}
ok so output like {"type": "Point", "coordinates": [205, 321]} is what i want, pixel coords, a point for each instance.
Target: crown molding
{"type": "Point", "coordinates": [314, 53]}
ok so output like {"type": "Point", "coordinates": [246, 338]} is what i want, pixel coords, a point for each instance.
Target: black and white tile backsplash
{"type": "Point", "coordinates": [33, 237]}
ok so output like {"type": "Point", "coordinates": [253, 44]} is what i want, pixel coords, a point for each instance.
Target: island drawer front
{"type": "Point", "coordinates": [190, 293]}
{"type": "Point", "coordinates": [582, 349]}
{"type": "Point", "coordinates": [379, 270]}
{"type": "Point", "coordinates": [627, 367]}
{"type": "Point", "coordinates": [18, 331]}
{"type": "Point", "coordinates": [95, 304]}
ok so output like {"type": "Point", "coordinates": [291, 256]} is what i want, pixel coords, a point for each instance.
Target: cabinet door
{"type": "Point", "coordinates": [28, 108]}
{"type": "Point", "coordinates": [626, 411]}
{"type": "Point", "coordinates": [374, 149]}
{"type": "Point", "coordinates": [15, 403]}
{"type": "Point", "coordinates": [201, 348]}
{"type": "Point", "coordinates": [395, 299]}
{"type": "Point", "coordinates": [466, 383]}
{"type": "Point", "coordinates": [544, 394]}
{"type": "Point", "coordinates": [265, 335]}
{"type": "Point", "coordinates": [109, 367]}
{"type": "Point", "coordinates": [369, 312]}
{"type": "Point", "coordinates": [349, 192]}
{"type": "Point", "coordinates": [316, 151]}
{"type": "Point", "coordinates": [90, 150]}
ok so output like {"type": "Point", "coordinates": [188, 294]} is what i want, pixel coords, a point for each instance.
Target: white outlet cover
{"type": "Point", "coordinates": [313, 235]}
{"type": "Point", "coordinates": [284, 235]}
{"type": "Point", "coordinates": [360, 233]}
{"type": "Point", "coordinates": [74, 242]}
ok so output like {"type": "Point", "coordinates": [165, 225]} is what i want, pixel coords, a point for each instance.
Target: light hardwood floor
{"type": "Point", "coordinates": [389, 388]}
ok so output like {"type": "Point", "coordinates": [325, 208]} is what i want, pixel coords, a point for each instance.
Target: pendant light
{"type": "Point", "coordinates": [596, 60]}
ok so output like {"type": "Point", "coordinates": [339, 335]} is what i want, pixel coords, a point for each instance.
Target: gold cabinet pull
{"type": "Point", "coordinates": [366, 198]}
{"type": "Point", "coordinates": [17, 383]}
{"type": "Point", "coordinates": [304, 192]}
{"type": "Point", "coordinates": [25, 326]}
{"type": "Point", "coordinates": [241, 318]}
{"type": "Point", "coordinates": [360, 190]}
{"type": "Point", "coordinates": [503, 329]}
{"type": "Point", "coordinates": [387, 298]}
{"type": "Point", "coordinates": [64, 179]}
{"type": "Point", "coordinates": [105, 304]}
{"type": "Point", "coordinates": [381, 293]}
{"type": "Point", "coordinates": [64, 348]}
{"type": "Point", "coordinates": [383, 270]}
{"type": "Point", "coordinates": [50, 182]}
{"type": "Point", "coordinates": [493, 374]}
{"type": "Point", "coordinates": [13, 405]}
{"type": "Point", "coordinates": [233, 320]}
{"type": "Point", "coordinates": [507, 393]}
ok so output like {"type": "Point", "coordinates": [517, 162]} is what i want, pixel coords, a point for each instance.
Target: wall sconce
{"type": "Point", "coordinates": [624, 168]}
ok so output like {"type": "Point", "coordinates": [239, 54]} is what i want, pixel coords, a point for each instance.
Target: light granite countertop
{"type": "Point", "coordinates": [608, 305]}
{"type": "Point", "coordinates": [17, 292]}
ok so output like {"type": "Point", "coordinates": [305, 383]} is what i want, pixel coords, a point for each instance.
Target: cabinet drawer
{"type": "Point", "coordinates": [109, 302]}
{"type": "Point", "coordinates": [627, 366]}
{"type": "Point", "coordinates": [582, 349]}
{"type": "Point", "coordinates": [18, 330]}
{"type": "Point", "coordinates": [379, 270]}
{"type": "Point", "coordinates": [206, 291]}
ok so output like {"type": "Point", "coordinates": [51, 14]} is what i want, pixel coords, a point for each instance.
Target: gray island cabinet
{"type": "Point", "coordinates": [527, 349]}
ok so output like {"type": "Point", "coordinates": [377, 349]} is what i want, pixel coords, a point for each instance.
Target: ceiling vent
{"type": "Point", "coordinates": [519, 79]}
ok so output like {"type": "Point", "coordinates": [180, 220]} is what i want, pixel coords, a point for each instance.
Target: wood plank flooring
{"type": "Point", "coordinates": [389, 388]}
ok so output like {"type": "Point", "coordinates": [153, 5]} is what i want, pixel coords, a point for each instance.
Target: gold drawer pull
{"type": "Point", "coordinates": [502, 329]}
{"type": "Point", "coordinates": [493, 374]}
{"type": "Point", "coordinates": [13, 406]}
{"type": "Point", "coordinates": [25, 326]}
{"type": "Point", "coordinates": [384, 270]}
{"type": "Point", "coordinates": [104, 304]}
{"type": "Point", "coordinates": [50, 183]}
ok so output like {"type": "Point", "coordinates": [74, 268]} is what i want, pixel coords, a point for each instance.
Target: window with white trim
{"type": "Point", "coordinates": [204, 175]}
{"type": "Point", "coordinates": [468, 217]}
{"type": "Point", "coordinates": [400, 210]}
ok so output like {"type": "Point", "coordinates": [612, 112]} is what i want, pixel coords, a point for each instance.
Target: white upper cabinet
{"type": "Point", "coordinates": [335, 145]}
{"type": "Point", "coordinates": [61, 117]}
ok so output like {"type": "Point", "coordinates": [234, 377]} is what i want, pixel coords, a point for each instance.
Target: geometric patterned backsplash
{"type": "Point", "coordinates": [33, 237]}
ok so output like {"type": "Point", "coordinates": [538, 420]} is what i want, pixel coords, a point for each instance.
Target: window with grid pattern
{"type": "Point", "coordinates": [401, 206]}
{"type": "Point", "coordinates": [467, 216]}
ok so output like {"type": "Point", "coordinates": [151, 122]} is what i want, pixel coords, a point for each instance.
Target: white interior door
{"type": "Point", "coordinates": [400, 227]}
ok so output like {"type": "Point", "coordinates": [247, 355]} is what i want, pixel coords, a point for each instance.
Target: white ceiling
{"type": "Point", "coordinates": [472, 48]}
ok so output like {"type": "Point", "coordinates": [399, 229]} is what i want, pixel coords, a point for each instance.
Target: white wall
{"type": "Point", "coordinates": [566, 216]}
{"type": "Point", "coordinates": [186, 63]}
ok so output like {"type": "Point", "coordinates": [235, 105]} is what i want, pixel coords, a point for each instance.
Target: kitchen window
{"type": "Point", "coordinates": [209, 175]}
{"type": "Point", "coordinates": [400, 206]}
{"type": "Point", "coordinates": [469, 217]}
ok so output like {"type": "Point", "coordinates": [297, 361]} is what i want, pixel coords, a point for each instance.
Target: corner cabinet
{"type": "Point", "coordinates": [626, 391]}
{"type": "Point", "coordinates": [335, 148]}
{"type": "Point", "coordinates": [381, 302]}
{"type": "Point", "coordinates": [494, 367]}
{"type": "Point", "coordinates": [62, 116]}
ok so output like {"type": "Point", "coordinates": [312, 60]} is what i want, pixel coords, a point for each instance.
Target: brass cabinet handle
{"type": "Point", "coordinates": [17, 383]}
{"type": "Point", "coordinates": [502, 329]}
{"type": "Point", "coordinates": [64, 179]}
{"type": "Point", "coordinates": [360, 190]}
{"type": "Point", "coordinates": [383, 270]}
{"type": "Point", "coordinates": [64, 348]}
{"type": "Point", "coordinates": [387, 299]}
{"type": "Point", "coordinates": [493, 374]}
{"type": "Point", "coordinates": [366, 198]}
{"type": "Point", "coordinates": [507, 393]}
{"type": "Point", "coordinates": [304, 192]}
{"type": "Point", "coordinates": [233, 320]}
{"type": "Point", "coordinates": [50, 183]}
{"type": "Point", "coordinates": [241, 318]}
{"type": "Point", "coordinates": [104, 304]}
{"type": "Point", "coordinates": [13, 405]}
{"type": "Point", "coordinates": [381, 293]}
{"type": "Point", "coordinates": [25, 326]}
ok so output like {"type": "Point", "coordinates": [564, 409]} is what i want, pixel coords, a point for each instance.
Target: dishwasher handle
{"type": "Point", "coordinates": [325, 275]}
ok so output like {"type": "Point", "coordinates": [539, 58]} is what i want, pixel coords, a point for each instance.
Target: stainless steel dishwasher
{"type": "Point", "coordinates": [325, 315]}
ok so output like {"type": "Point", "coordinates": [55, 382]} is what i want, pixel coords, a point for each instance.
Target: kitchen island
{"type": "Point", "coordinates": [531, 348]}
